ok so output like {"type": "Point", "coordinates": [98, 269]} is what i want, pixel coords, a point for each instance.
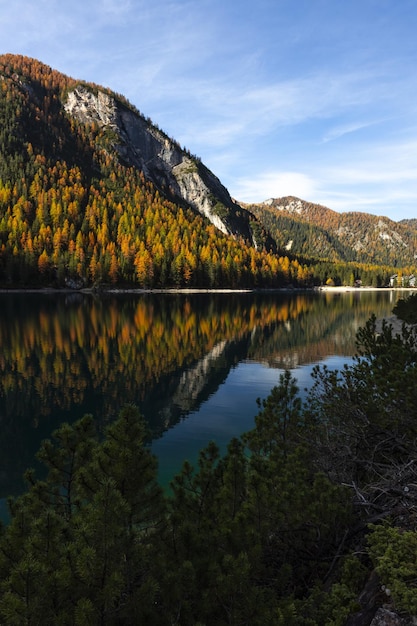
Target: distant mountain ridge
{"type": "Point", "coordinates": [308, 229]}
{"type": "Point", "coordinates": [410, 223]}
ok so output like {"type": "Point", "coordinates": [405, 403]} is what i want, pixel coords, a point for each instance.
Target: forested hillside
{"type": "Point", "coordinates": [312, 230]}
{"type": "Point", "coordinates": [70, 210]}
{"type": "Point", "coordinates": [92, 193]}
{"type": "Point", "coordinates": [410, 223]}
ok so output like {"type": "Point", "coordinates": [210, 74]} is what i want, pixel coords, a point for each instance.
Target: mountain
{"type": "Point", "coordinates": [92, 191]}
{"type": "Point", "coordinates": [410, 223]}
{"type": "Point", "coordinates": [175, 172]}
{"type": "Point", "coordinates": [312, 230]}
{"type": "Point", "coordinates": [137, 141]}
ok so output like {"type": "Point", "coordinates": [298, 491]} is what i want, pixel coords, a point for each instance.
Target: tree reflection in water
{"type": "Point", "coordinates": [65, 355]}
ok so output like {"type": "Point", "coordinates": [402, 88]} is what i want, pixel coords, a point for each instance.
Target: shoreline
{"type": "Point", "coordinates": [344, 289]}
{"type": "Point", "coordinates": [192, 290]}
{"type": "Point", "coordinates": [197, 290]}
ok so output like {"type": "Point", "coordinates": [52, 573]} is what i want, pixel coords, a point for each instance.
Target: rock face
{"type": "Point", "coordinates": [386, 617]}
{"type": "Point", "coordinates": [171, 169]}
{"type": "Point", "coordinates": [88, 107]}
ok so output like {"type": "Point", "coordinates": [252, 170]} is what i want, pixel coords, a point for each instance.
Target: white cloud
{"type": "Point", "coordinates": [270, 184]}
{"type": "Point", "coordinates": [380, 180]}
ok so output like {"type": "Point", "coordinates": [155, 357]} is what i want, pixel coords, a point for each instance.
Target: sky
{"type": "Point", "coordinates": [311, 98]}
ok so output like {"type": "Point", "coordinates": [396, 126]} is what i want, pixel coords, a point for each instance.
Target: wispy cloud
{"type": "Point", "coordinates": [380, 179]}
{"type": "Point", "coordinates": [383, 163]}
{"type": "Point", "coordinates": [346, 129]}
{"type": "Point", "coordinates": [221, 112]}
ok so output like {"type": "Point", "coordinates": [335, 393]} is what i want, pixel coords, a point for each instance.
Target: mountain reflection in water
{"type": "Point", "coordinates": [66, 355]}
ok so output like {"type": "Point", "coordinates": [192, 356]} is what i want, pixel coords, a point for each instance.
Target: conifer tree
{"type": "Point", "coordinates": [78, 548]}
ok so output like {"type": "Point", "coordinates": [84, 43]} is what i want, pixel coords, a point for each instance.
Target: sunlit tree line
{"type": "Point", "coordinates": [118, 229]}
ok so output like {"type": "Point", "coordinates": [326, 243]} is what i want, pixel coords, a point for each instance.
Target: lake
{"type": "Point", "coordinates": [194, 364]}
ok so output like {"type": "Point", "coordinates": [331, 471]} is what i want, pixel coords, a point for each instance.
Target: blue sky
{"type": "Point", "coordinates": [311, 98]}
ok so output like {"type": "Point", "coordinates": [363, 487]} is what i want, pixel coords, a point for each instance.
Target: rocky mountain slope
{"type": "Point", "coordinates": [174, 171]}
{"type": "Point", "coordinates": [308, 229]}
{"type": "Point", "coordinates": [93, 192]}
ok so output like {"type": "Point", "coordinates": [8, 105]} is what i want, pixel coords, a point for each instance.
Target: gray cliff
{"type": "Point", "coordinates": [174, 172]}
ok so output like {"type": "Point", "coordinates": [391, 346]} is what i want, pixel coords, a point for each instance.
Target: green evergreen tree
{"type": "Point", "coordinates": [78, 548]}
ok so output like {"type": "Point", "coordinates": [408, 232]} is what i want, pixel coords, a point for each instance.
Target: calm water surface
{"type": "Point", "coordinates": [193, 363]}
